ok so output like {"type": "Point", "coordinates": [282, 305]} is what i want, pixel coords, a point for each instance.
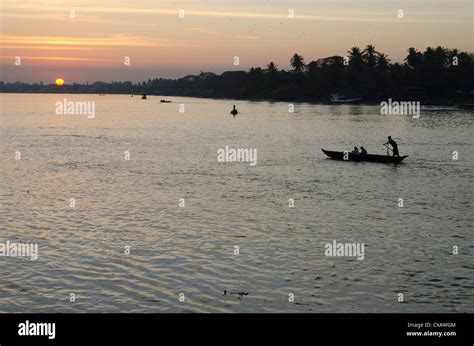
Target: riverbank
{"type": "Point", "coordinates": [453, 101]}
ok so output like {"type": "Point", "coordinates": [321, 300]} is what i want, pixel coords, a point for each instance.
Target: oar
{"type": "Point", "coordinates": [388, 148]}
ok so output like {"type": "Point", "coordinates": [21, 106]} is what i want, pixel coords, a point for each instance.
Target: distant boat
{"type": "Point", "coordinates": [339, 155]}
{"type": "Point", "coordinates": [144, 97]}
{"type": "Point", "coordinates": [165, 101]}
{"type": "Point", "coordinates": [341, 99]}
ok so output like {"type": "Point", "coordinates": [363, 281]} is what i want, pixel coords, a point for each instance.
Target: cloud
{"type": "Point", "coordinates": [274, 15]}
{"type": "Point", "coordinates": [117, 40]}
{"type": "Point", "coordinates": [53, 58]}
{"type": "Point", "coordinates": [247, 37]}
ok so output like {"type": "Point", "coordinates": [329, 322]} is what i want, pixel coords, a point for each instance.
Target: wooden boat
{"type": "Point", "coordinates": [339, 155]}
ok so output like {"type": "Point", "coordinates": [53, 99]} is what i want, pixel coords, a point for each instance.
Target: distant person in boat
{"type": "Point", "coordinates": [234, 111]}
{"type": "Point", "coordinates": [394, 146]}
{"type": "Point", "coordinates": [144, 97]}
{"type": "Point", "coordinates": [363, 152]}
{"type": "Point", "coordinates": [356, 152]}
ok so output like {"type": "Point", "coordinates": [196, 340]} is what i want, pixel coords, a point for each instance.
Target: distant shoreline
{"type": "Point", "coordinates": [436, 76]}
{"type": "Point", "coordinates": [445, 101]}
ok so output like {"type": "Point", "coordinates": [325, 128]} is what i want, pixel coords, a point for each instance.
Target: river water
{"type": "Point", "coordinates": [236, 231]}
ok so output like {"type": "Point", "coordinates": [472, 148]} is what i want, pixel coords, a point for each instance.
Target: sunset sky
{"type": "Point", "coordinates": [91, 45]}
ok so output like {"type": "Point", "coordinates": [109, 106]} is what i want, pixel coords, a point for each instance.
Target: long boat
{"type": "Point", "coordinates": [348, 156]}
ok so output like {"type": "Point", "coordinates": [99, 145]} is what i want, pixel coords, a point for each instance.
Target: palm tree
{"type": "Point", "coordinates": [355, 56]}
{"type": "Point", "coordinates": [382, 62]}
{"type": "Point", "coordinates": [429, 57]}
{"type": "Point", "coordinates": [414, 58]}
{"type": "Point", "coordinates": [437, 57]}
{"type": "Point", "coordinates": [297, 62]}
{"type": "Point", "coordinates": [370, 56]}
{"type": "Point", "coordinates": [272, 67]}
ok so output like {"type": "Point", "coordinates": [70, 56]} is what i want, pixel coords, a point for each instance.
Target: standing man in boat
{"type": "Point", "coordinates": [394, 146]}
{"type": "Point", "coordinates": [234, 111]}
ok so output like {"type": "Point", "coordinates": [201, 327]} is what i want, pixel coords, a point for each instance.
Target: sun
{"type": "Point", "coordinates": [59, 81]}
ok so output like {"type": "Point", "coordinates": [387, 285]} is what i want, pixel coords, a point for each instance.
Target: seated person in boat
{"type": "Point", "coordinates": [394, 146]}
{"type": "Point", "coordinates": [363, 152]}
{"type": "Point", "coordinates": [356, 152]}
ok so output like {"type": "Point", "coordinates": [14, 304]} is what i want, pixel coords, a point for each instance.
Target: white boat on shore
{"type": "Point", "coordinates": [341, 99]}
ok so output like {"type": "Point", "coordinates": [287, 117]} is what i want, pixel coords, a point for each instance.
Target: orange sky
{"type": "Point", "coordinates": [88, 40]}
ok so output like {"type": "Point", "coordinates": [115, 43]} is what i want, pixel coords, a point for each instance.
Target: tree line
{"type": "Point", "coordinates": [436, 73]}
